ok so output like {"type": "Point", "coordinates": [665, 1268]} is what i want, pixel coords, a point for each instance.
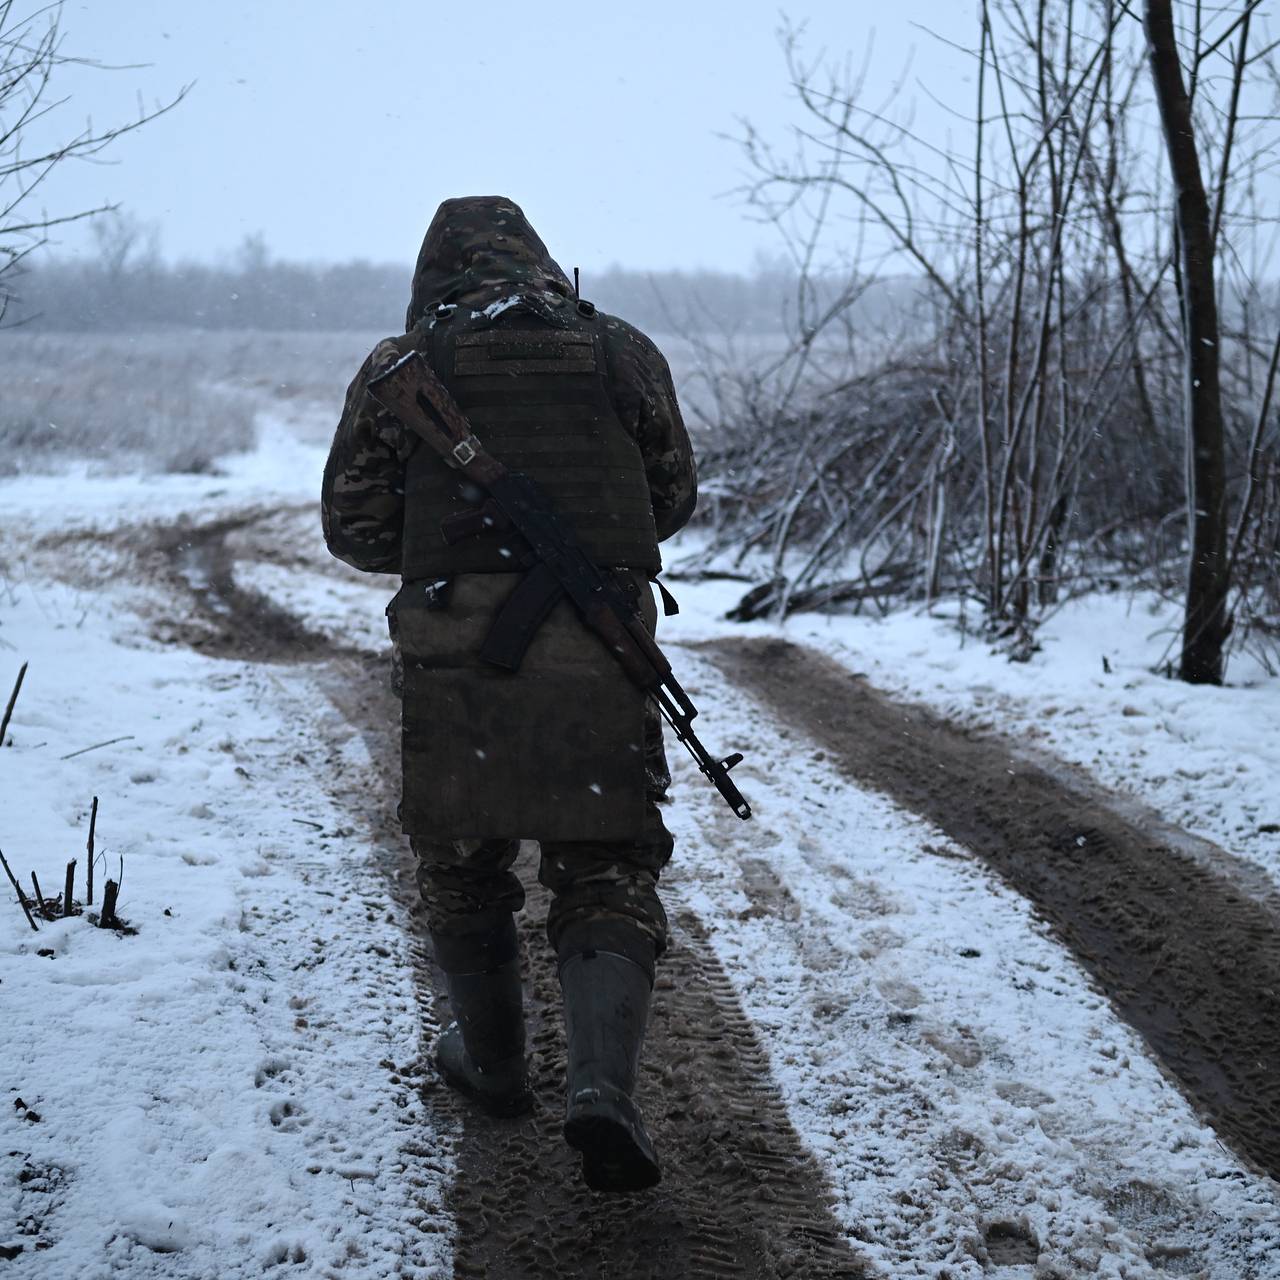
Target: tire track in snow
{"type": "Point", "coordinates": [741, 1197]}
{"type": "Point", "coordinates": [1188, 959]}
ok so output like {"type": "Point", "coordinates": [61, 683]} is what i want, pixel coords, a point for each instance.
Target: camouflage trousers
{"type": "Point", "coordinates": [605, 894]}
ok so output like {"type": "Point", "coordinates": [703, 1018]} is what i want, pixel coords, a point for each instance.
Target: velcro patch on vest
{"type": "Point", "coordinates": [516, 351]}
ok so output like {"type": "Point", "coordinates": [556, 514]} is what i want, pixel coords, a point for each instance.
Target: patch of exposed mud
{"type": "Point", "coordinates": [189, 567]}
{"type": "Point", "coordinates": [228, 619]}
{"type": "Point", "coordinates": [739, 1196]}
{"type": "Point", "coordinates": [1189, 958]}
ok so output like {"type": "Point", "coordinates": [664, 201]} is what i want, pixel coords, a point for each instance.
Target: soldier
{"type": "Point", "coordinates": [565, 750]}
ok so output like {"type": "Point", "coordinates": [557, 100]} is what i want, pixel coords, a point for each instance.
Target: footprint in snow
{"type": "Point", "coordinates": [287, 1116]}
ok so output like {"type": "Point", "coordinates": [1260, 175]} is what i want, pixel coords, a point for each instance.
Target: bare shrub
{"type": "Point", "coordinates": [1020, 434]}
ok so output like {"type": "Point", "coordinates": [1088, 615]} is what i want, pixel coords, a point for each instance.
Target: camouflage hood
{"type": "Point", "coordinates": [477, 246]}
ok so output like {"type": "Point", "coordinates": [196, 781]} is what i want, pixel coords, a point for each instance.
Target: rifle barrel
{"type": "Point", "coordinates": [712, 769]}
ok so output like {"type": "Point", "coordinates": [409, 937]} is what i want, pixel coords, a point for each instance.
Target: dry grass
{"type": "Point", "coordinates": [178, 400]}
{"type": "Point", "coordinates": [167, 402]}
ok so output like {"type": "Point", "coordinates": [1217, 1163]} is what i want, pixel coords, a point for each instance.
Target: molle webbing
{"type": "Point", "coordinates": [538, 401]}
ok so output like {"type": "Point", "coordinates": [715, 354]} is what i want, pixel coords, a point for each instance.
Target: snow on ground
{"type": "Point", "coordinates": [1207, 759]}
{"type": "Point", "coordinates": [946, 1060]}
{"type": "Point", "coordinates": [217, 1093]}
{"type": "Point", "coordinates": [214, 1092]}
{"type": "Point", "coordinates": [282, 470]}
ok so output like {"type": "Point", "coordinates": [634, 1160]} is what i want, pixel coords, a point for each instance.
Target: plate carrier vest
{"type": "Point", "coordinates": [534, 384]}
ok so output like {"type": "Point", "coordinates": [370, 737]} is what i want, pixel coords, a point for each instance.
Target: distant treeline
{"type": "Point", "coordinates": [255, 292]}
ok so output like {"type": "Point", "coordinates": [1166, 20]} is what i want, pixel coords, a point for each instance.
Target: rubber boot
{"type": "Point", "coordinates": [606, 1007]}
{"type": "Point", "coordinates": [481, 1053]}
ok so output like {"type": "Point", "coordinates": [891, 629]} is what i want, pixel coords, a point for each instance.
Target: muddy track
{"type": "Point", "coordinates": [740, 1196]}
{"type": "Point", "coordinates": [1189, 957]}
{"type": "Point", "coordinates": [195, 562]}
{"type": "Point", "coordinates": [229, 618]}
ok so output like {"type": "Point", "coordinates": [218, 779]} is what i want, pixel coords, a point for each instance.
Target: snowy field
{"type": "Point", "coordinates": [174, 402]}
{"type": "Point", "coordinates": [226, 1092]}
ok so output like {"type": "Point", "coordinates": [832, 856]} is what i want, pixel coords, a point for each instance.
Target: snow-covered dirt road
{"type": "Point", "coordinates": [1202, 986]}
{"type": "Point", "coordinates": [870, 1056]}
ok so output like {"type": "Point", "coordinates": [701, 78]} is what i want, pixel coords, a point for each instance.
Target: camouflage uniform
{"type": "Point", "coordinates": [478, 251]}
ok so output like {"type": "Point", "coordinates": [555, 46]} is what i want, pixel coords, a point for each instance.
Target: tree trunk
{"type": "Point", "coordinates": [1205, 623]}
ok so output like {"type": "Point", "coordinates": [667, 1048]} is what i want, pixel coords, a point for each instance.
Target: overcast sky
{"type": "Point", "coordinates": [335, 128]}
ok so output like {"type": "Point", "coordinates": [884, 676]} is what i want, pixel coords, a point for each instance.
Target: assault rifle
{"type": "Point", "coordinates": [411, 391]}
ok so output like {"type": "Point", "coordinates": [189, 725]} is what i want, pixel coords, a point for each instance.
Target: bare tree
{"type": "Point", "coordinates": [1014, 351]}
{"type": "Point", "coordinates": [1205, 623]}
{"type": "Point", "coordinates": [123, 240]}
{"type": "Point", "coordinates": [32, 52]}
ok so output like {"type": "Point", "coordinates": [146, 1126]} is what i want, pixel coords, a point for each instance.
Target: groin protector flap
{"type": "Point", "coordinates": [554, 751]}
{"type": "Point", "coordinates": [538, 756]}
